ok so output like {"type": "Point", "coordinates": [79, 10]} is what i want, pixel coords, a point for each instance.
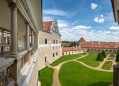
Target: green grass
{"type": "Point", "coordinates": [90, 60]}
{"type": "Point", "coordinates": [103, 67]}
{"type": "Point", "coordinates": [46, 76]}
{"type": "Point", "coordinates": [106, 55]}
{"type": "Point", "coordinates": [65, 58]}
{"type": "Point", "coordinates": [75, 74]}
{"type": "Point", "coordinates": [117, 63]}
{"type": "Point", "coordinates": [111, 56]}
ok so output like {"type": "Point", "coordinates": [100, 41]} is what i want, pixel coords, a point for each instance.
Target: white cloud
{"type": "Point", "coordinates": [107, 32]}
{"type": "Point", "coordinates": [72, 23]}
{"type": "Point", "coordinates": [47, 18]}
{"type": "Point", "coordinates": [115, 33]}
{"type": "Point", "coordinates": [93, 6]}
{"type": "Point", "coordinates": [102, 16]}
{"type": "Point", "coordinates": [81, 27]}
{"type": "Point", "coordinates": [98, 27]}
{"type": "Point", "coordinates": [57, 12]}
{"type": "Point", "coordinates": [114, 28]}
{"type": "Point", "coordinates": [99, 20]}
{"type": "Point", "coordinates": [76, 22]}
{"type": "Point", "coordinates": [62, 25]}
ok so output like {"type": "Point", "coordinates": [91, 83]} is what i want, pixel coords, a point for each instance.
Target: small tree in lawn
{"type": "Point", "coordinates": [117, 57]}
{"type": "Point", "coordinates": [103, 53]}
{"type": "Point", "coordinates": [100, 57]}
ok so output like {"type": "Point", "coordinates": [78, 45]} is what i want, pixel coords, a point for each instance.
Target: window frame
{"type": "Point", "coordinates": [44, 40]}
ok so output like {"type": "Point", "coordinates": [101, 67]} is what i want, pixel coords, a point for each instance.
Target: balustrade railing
{"type": "Point", "coordinates": [6, 76]}
{"type": "Point", "coordinates": [24, 60]}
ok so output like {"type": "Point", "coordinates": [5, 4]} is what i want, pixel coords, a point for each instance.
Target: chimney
{"type": "Point", "coordinates": [115, 42]}
{"type": "Point", "coordinates": [76, 46]}
{"type": "Point", "coordinates": [92, 42]}
{"type": "Point", "coordinates": [73, 47]}
{"type": "Point", "coordinates": [99, 43]}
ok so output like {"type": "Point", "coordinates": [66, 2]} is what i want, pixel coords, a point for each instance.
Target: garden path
{"type": "Point", "coordinates": [57, 68]}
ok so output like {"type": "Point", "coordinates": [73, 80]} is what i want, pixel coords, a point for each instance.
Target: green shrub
{"type": "Point", "coordinates": [103, 53]}
{"type": "Point", "coordinates": [117, 57]}
{"type": "Point", "coordinates": [100, 57]}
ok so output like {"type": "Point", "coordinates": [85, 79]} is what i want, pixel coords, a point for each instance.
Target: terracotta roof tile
{"type": "Point", "coordinates": [101, 45]}
{"type": "Point", "coordinates": [81, 40]}
{"type": "Point", "coordinates": [71, 48]}
{"type": "Point", "coordinates": [47, 26]}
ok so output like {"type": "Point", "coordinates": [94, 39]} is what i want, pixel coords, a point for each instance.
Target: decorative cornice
{"type": "Point", "coordinates": [24, 10]}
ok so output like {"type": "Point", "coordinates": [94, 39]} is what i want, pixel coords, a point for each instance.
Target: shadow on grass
{"type": "Point", "coordinates": [101, 83]}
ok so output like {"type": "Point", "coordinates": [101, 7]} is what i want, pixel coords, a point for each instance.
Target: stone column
{"type": "Point", "coordinates": [2, 42]}
{"type": "Point", "coordinates": [27, 35]}
{"type": "Point", "coordinates": [13, 7]}
{"type": "Point", "coordinates": [32, 38]}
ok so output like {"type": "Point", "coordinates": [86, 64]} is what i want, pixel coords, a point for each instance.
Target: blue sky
{"type": "Point", "coordinates": [92, 19]}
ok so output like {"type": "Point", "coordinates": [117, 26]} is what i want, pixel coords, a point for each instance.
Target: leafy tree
{"type": "Point", "coordinates": [73, 44]}
{"type": "Point", "coordinates": [65, 42]}
{"type": "Point", "coordinates": [100, 57]}
{"type": "Point", "coordinates": [117, 57]}
{"type": "Point", "coordinates": [103, 53]}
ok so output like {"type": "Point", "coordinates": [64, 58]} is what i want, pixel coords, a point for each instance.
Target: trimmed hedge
{"type": "Point", "coordinates": [103, 53]}
{"type": "Point", "coordinates": [100, 57]}
{"type": "Point", "coordinates": [117, 57]}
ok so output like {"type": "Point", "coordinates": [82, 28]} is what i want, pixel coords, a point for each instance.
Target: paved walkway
{"type": "Point", "coordinates": [57, 68]}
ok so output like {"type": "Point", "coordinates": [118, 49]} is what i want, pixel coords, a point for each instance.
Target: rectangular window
{"type": "Point", "coordinates": [56, 53]}
{"type": "Point", "coordinates": [53, 55]}
{"type": "Point", "coordinates": [46, 40]}
{"type": "Point", "coordinates": [54, 41]}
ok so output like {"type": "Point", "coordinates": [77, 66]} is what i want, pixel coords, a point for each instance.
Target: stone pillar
{"type": "Point", "coordinates": [31, 38]}
{"type": "Point", "coordinates": [13, 7]}
{"type": "Point", "coordinates": [27, 35]}
{"type": "Point", "coordinates": [2, 42]}
{"type": "Point", "coordinates": [34, 39]}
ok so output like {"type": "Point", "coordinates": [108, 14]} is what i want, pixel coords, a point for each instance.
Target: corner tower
{"type": "Point", "coordinates": [81, 41]}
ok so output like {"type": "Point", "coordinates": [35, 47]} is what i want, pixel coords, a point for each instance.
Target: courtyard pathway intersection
{"type": "Point", "coordinates": [57, 68]}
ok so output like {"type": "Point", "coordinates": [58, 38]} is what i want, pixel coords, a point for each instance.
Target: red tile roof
{"type": "Point", "coordinates": [81, 40]}
{"type": "Point", "coordinates": [47, 26]}
{"type": "Point", "coordinates": [71, 48]}
{"type": "Point", "coordinates": [101, 45]}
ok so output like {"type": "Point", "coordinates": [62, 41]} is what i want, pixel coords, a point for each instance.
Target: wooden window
{"type": "Point", "coordinates": [53, 55]}
{"type": "Point", "coordinates": [56, 53]}
{"type": "Point", "coordinates": [46, 40]}
{"type": "Point", "coordinates": [54, 41]}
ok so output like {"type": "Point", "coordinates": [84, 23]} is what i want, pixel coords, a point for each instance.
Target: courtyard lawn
{"type": "Point", "coordinates": [111, 56]}
{"type": "Point", "coordinates": [66, 58]}
{"type": "Point", "coordinates": [75, 74]}
{"type": "Point", "coordinates": [46, 76]}
{"type": "Point", "coordinates": [107, 65]}
{"type": "Point", "coordinates": [106, 55]}
{"type": "Point", "coordinates": [90, 60]}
